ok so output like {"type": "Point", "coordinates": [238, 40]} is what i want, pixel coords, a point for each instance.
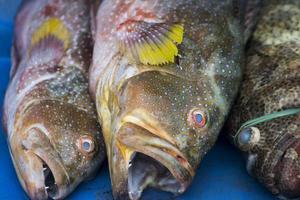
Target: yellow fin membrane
{"type": "Point", "coordinates": [51, 27]}
{"type": "Point", "coordinates": [153, 43]}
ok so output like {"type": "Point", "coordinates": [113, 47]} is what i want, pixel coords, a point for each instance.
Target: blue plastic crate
{"type": "Point", "coordinates": [221, 175]}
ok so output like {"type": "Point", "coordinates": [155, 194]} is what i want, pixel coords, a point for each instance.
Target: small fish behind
{"type": "Point", "coordinates": [52, 130]}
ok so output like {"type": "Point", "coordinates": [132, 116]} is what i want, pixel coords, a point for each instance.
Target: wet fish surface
{"type": "Point", "coordinates": [164, 75]}
{"type": "Point", "coordinates": [51, 124]}
{"type": "Point", "coordinates": [269, 97]}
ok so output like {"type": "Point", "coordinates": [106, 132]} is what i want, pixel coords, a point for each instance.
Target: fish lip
{"type": "Point", "coordinates": [34, 159]}
{"type": "Point", "coordinates": [167, 154]}
{"type": "Point", "coordinates": [286, 183]}
{"type": "Point", "coordinates": [35, 190]}
{"type": "Point", "coordinates": [139, 118]}
{"type": "Point", "coordinates": [271, 176]}
{"type": "Point", "coordinates": [54, 163]}
{"type": "Point", "coordinates": [59, 175]}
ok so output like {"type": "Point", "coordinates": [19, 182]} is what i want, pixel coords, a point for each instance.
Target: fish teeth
{"type": "Point", "coordinates": [131, 159]}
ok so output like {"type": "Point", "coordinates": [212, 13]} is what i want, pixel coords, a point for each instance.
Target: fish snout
{"type": "Point", "coordinates": [287, 172]}
{"type": "Point", "coordinates": [39, 166]}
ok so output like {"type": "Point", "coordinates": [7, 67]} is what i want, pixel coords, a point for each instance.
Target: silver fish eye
{"type": "Point", "coordinates": [248, 137]}
{"type": "Point", "coordinates": [86, 144]}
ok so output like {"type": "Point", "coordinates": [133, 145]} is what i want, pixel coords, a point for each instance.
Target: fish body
{"type": "Point", "coordinates": [51, 124]}
{"type": "Point", "coordinates": [164, 75]}
{"type": "Point", "coordinates": [270, 89]}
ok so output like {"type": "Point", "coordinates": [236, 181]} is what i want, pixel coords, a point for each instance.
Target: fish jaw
{"type": "Point", "coordinates": [166, 169]}
{"type": "Point", "coordinates": [283, 174]}
{"type": "Point", "coordinates": [39, 166]}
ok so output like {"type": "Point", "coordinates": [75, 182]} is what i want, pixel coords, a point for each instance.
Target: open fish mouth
{"type": "Point", "coordinates": [152, 161]}
{"type": "Point", "coordinates": [145, 171]}
{"type": "Point", "coordinates": [42, 178]}
{"type": "Point", "coordinates": [51, 188]}
{"type": "Point", "coordinates": [39, 167]}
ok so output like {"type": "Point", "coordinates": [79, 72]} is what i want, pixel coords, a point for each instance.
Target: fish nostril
{"type": "Point", "coordinates": [23, 147]}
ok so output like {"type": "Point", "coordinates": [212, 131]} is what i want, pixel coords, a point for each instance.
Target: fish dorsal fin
{"type": "Point", "coordinates": [151, 43]}
{"type": "Point", "coordinates": [52, 27]}
{"type": "Point", "coordinates": [48, 41]}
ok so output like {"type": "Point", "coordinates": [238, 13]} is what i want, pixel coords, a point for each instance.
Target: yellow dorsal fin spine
{"type": "Point", "coordinates": [148, 51]}
{"type": "Point", "coordinates": [153, 43]}
{"type": "Point", "coordinates": [54, 27]}
{"type": "Point", "coordinates": [176, 33]}
{"type": "Point", "coordinates": [160, 53]}
{"type": "Point", "coordinates": [169, 48]}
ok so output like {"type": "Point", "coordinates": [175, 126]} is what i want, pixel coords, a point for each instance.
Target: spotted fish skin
{"type": "Point", "coordinates": [157, 109]}
{"type": "Point", "coordinates": [51, 124]}
{"type": "Point", "coordinates": [272, 83]}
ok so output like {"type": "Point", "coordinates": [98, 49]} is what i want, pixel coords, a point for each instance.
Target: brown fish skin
{"type": "Point", "coordinates": [272, 83]}
{"type": "Point", "coordinates": [52, 129]}
{"type": "Point", "coordinates": [147, 112]}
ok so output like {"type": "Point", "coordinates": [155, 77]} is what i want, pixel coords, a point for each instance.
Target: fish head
{"type": "Point", "coordinates": [168, 117]}
{"type": "Point", "coordinates": [161, 112]}
{"type": "Point", "coordinates": [273, 154]}
{"type": "Point", "coordinates": [273, 147]}
{"type": "Point", "coordinates": [53, 152]}
{"type": "Point", "coordinates": [166, 126]}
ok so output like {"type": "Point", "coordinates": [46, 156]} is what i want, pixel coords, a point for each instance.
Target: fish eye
{"type": "Point", "coordinates": [244, 136]}
{"type": "Point", "coordinates": [197, 118]}
{"type": "Point", "coordinates": [248, 137]}
{"type": "Point", "coordinates": [86, 144]}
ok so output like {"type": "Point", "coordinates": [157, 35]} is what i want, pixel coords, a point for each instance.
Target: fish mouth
{"type": "Point", "coordinates": [39, 167]}
{"type": "Point", "coordinates": [50, 183]}
{"type": "Point", "coordinates": [144, 171]}
{"type": "Point", "coordinates": [280, 170]}
{"type": "Point", "coordinates": [150, 160]}
{"type": "Point", "coordinates": [55, 184]}
{"type": "Point", "coordinates": [287, 172]}
{"type": "Point", "coordinates": [48, 188]}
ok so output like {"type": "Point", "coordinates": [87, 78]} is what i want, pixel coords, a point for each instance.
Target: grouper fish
{"type": "Point", "coordinates": [164, 75]}
{"type": "Point", "coordinates": [51, 124]}
{"type": "Point", "coordinates": [265, 122]}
